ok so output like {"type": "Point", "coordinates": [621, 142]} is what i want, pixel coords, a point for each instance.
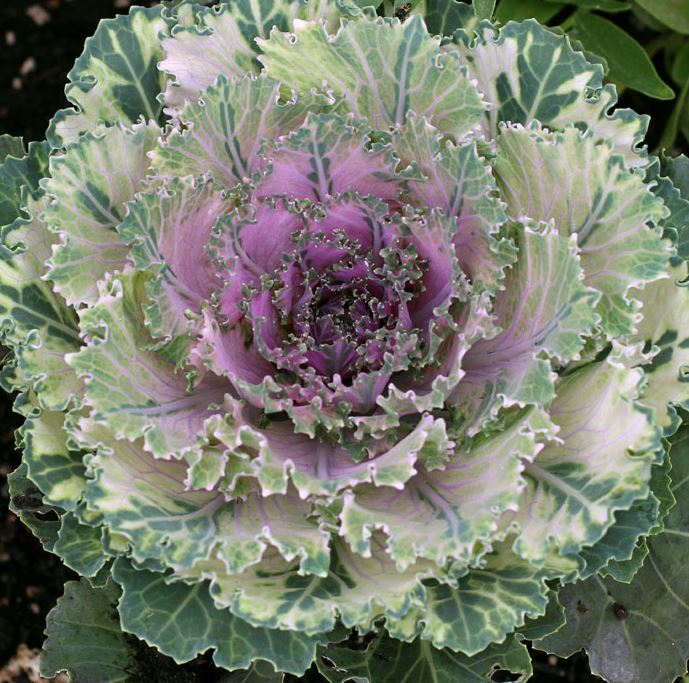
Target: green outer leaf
{"type": "Point", "coordinates": [573, 489]}
{"type": "Point", "coordinates": [603, 5]}
{"type": "Point", "coordinates": [551, 621]}
{"type": "Point", "coordinates": [677, 169]}
{"type": "Point", "coordinates": [672, 13]}
{"type": "Point", "coordinates": [90, 184]}
{"type": "Point", "coordinates": [625, 570]}
{"type": "Point", "coordinates": [674, 190]}
{"type": "Point", "coordinates": [544, 175]}
{"type": "Point", "coordinates": [11, 145]}
{"type": "Point", "coordinates": [669, 136]}
{"type": "Point", "coordinates": [80, 546]}
{"type": "Point", "coordinates": [116, 79]}
{"type": "Point", "coordinates": [637, 632]}
{"type": "Point", "coordinates": [16, 173]}
{"type": "Point", "coordinates": [487, 604]}
{"type": "Point", "coordinates": [84, 637]}
{"type": "Point", "coordinates": [356, 64]}
{"type": "Point", "coordinates": [627, 60]}
{"type": "Point", "coordinates": [26, 501]}
{"type": "Point", "coordinates": [387, 660]}
{"type": "Point", "coordinates": [680, 65]}
{"type": "Point", "coordinates": [260, 672]}
{"type": "Point", "coordinates": [529, 73]}
{"type": "Point", "coordinates": [181, 621]}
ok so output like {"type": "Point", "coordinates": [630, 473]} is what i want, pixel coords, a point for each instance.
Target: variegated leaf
{"type": "Point", "coordinates": [450, 513]}
{"type": "Point", "coordinates": [586, 189]}
{"type": "Point", "coordinates": [272, 594]}
{"type": "Point", "coordinates": [574, 489]}
{"type": "Point", "coordinates": [168, 229]}
{"type": "Point", "coordinates": [382, 69]}
{"type": "Point", "coordinates": [37, 322]}
{"type": "Point", "coordinates": [665, 325]}
{"type": "Point", "coordinates": [537, 320]}
{"type": "Point", "coordinates": [455, 179]}
{"type": "Point", "coordinates": [130, 389]}
{"type": "Point", "coordinates": [222, 41]}
{"type": "Point", "coordinates": [224, 132]}
{"type": "Point", "coordinates": [637, 631]}
{"type": "Point", "coordinates": [90, 184]}
{"type": "Point", "coordinates": [149, 502]}
{"type": "Point", "coordinates": [530, 73]}
{"type": "Point", "coordinates": [116, 79]}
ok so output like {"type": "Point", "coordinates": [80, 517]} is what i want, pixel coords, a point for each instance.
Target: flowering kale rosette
{"type": "Point", "coordinates": [377, 332]}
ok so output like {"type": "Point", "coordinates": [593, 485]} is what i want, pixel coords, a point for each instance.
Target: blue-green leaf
{"type": "Point", "coordinates": [387, 660]}
{"type": "Point", "coordinates": [181, 621]}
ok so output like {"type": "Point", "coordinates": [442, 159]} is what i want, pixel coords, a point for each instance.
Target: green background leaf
{"type": "Point", "coordinates": [672, 13]}
{"type": "Point", "coordinates": [518, 10]}
{"type": "Point", "coordinates": [628, 63]}
{"type": "Point", "coordinates": [603, 5]}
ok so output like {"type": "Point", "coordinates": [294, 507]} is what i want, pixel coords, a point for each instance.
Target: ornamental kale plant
{"type": "Point", "coordinates": [352, 340]}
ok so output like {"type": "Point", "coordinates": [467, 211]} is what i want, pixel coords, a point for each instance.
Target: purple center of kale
{"type": "Point", "coordinates": [335, 309]}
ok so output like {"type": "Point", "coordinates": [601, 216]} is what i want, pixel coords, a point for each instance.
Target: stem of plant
{"type": "Point", "coordinates": [569, 21]}
{"type": "Point", "coordinates": [657, 44]}
{"type": "Point", "coordinates": [667, 139]}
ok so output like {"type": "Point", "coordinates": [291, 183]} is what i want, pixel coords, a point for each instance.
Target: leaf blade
{"type": "Point", "coordinates": [627, 60]}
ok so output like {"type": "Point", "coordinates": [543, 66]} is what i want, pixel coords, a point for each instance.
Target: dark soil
{"type": "Point", "coordinates": [39, 41]}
